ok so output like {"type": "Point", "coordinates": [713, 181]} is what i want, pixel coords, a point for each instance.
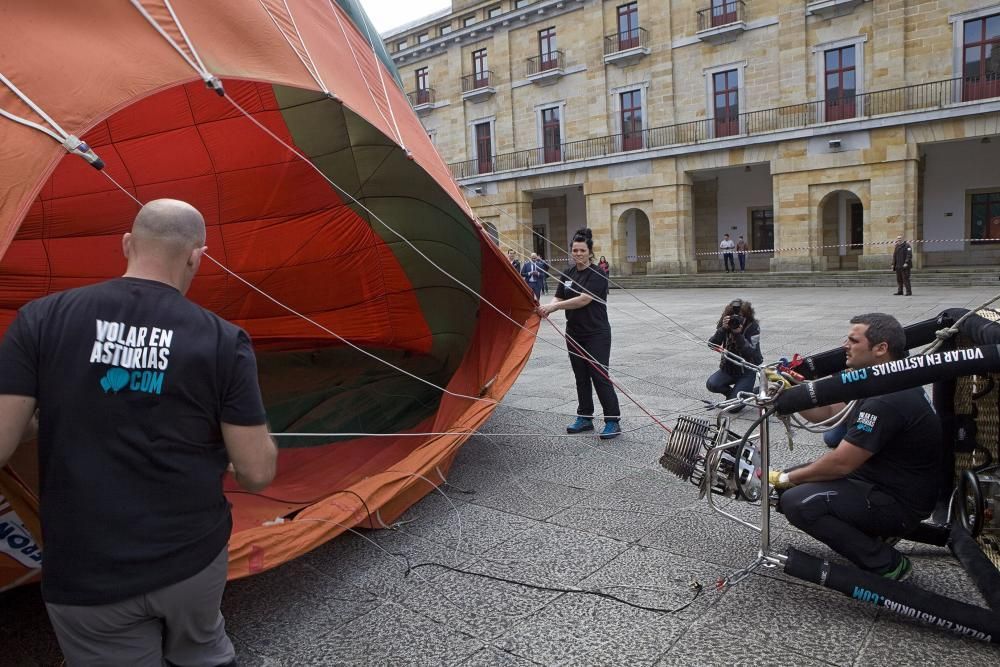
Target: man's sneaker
{"type": "Point", "coordinates": [901, 571]}
{"type": "Point", "coordinates": [611, 430]}
{"type": "Point", "coordinates": [580, 425]}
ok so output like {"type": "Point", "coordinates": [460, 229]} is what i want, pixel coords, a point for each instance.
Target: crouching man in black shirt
{"type": "Point", "coordinates": [881, 480]}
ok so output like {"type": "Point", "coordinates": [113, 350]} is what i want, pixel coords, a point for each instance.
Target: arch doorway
{"type": "Point", "coordinates": [492, 231]}
{"type": "Point", "coordinates": [634, 228]}
{"type": "Point", "coordinates": [842, 217]}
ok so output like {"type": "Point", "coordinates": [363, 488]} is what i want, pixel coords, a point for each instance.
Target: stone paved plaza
{"type": "Point", "coordinates": [526, 502]}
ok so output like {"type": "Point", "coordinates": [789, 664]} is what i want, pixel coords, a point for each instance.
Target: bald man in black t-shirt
{"type": "Point", "coordinates": [145, 399]}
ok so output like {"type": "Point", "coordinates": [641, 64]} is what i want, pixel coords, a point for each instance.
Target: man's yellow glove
{"type": "Point", "coordinates": [779, 479]}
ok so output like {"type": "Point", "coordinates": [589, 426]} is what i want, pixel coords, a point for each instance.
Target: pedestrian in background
{"type": "Point", "coordinates": [741, 253]}
{"type": "Point", "coordinates": [902, 262]}
{"type": "Point", "coordinates": [726, 248]}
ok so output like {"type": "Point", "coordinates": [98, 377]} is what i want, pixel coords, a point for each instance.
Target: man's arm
{"type": "Point", "coordinates": [253, 454]}
{"type": "Point", "coordinates": [822, 413]}
{"type": "Point", "coordinates": [840, 462]}
{"type": "Point", "coordinates": [15, 421]}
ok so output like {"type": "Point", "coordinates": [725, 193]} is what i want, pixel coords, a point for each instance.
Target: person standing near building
{"type": "Point", "coordinates": [545, 274]}
{"type": "Point", "coordinates": [726, 248]}
{"type": "Point", "coordinates": [583, 293]}
{"type": "Point", "coordinates": [741, 253]}
{"type": "Point", "coordinates": [513, 260]}
{"type": "Point", "coordinates": [902, 262]}
{"type": "Point", "coordinates": [532, 272]}
{"type": "Point", "coordinates": [144, 400]}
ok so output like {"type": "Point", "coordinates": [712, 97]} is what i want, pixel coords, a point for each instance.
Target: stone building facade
{"type": "Point", "coordinates": [818, 130]}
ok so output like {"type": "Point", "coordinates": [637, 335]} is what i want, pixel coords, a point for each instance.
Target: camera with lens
{"type": "Point", "coordinates": [735, 319]}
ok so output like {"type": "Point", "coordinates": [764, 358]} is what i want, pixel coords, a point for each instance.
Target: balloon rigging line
{"type": "Point", "coordinates": [509, 215]}
{"type": "Point", "coordinates": [364, 78]}
{"type": "Point", "coordinates": [400, 236]}
{"type": "Point", "coordinates": [59, 134]}
{"type": "Point", "coordinates": [373, 356]}
{"type": "Point", "coordinates": [411, 568]}
{"type": "Point", "coordinates": [319, 326]}
{"type": "Point", "coordinates": [385, 91]}
{"type": "Point", "coordinates": [558, 275]}
{"type": "Point", "coordinates": [598, 591]}
{"type": "Point", "coordinates": [307, 61]}
{"type": "Point", "coordinates": [199, 67]}
{"type": "Point", "coordinates": [734, 358]}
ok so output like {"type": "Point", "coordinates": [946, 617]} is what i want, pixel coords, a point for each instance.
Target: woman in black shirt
{"type": "Point", "coordinates": [582, 293]}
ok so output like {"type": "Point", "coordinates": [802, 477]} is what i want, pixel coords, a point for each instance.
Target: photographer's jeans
{"type": "Point", "coordinates": [721, 382]}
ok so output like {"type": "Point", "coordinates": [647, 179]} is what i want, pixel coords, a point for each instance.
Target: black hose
{"type": "Point", "coordinates": [890, 376]}
{"type": "Point", "coordinates": [980, 569]}
{"type": "Point", "coordinates": [904, 599]}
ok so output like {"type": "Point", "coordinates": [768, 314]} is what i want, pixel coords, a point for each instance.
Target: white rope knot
{"type": "Point", "coordinates": [945, 334]}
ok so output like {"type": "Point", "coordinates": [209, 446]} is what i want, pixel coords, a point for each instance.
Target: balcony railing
{"type": "Point", "coordinates": [731, 11]}
{"type": "Point", "coordinates": [421, 96]}
{"type": "Point", "coordinates": [624, 40]}
{"type": "Point", "coordinates": [544, 63]}
{"type": "Point", "coordinates": [477, 81]}
{"type": "Point", "coordinates": [925, 96]}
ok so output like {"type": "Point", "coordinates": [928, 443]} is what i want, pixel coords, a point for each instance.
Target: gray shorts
{"type": "Point", "coordinates": [180, 624]}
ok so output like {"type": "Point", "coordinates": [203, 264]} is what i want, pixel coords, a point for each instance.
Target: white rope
{"type": "Point", "coordinates": [942, 335]}
{"type": "Point", "coordinates": [28, 123]}
{"type": "Point", "coordinates": [398, 235]}
{"type": "Point", "coordinates": [343, 340]}
{"type": "Point", "coordinates": [385, 91]}
{"type": "Point", "coordinates": [199, 67]}
{"type": "Point", "coordinates": [34, 107]}
{"type": "Point", "coordinates": [692, 337]}
{"type": "Point", "coordinates": [70, 142]}
{"type": "Point", "coordinates": [357, 63]}
{"type": "Point", "coordinates": [316, 324]}
{"type": "Point", "coordinates": [307, 61]}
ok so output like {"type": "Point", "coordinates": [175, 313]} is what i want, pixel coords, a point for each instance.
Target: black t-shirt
{"type": "Point", "coordinates": [592, 318]}
{"type": "Point", "coordinates": [904, 435]}
{"type": "Point", "coordinates": [132, 381]}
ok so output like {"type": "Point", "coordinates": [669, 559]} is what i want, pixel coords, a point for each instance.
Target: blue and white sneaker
{"type": "Point", "coordinates": [611, 430]}
{"type": "Point", "coordinates": [580, 425]}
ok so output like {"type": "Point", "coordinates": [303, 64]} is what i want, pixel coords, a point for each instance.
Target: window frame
{"type": "Point", "coordinates": [484, 164]}
{"type": "Point", "coordinates": [980, 87]}
{"type": "Point", "coordinates": [547, 38]}
{"type": "Point", "coordinates": [495, 8]}
{"type": "Point", "coordinates": [766, 219]}
{"type": "Point", "coordinates": [552, 152]}
{"type": "Point", "coordinates": [819, 52]}
{"type": "Point", "coordinates": [992, 197]}
{"type": "Point", "coordinates": [730, 125]}
{"type": "Point", "coordinates": [840, 108]}
{"type": "Point", "coordinates": [480, 68]}
{"type": "Point", "coordinates": [632, 139]}
{"type": "Point", "coordinates": [628, 39]}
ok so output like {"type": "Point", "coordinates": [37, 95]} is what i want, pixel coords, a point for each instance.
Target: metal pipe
{"type": "Point", "coordinates": [765, 444]}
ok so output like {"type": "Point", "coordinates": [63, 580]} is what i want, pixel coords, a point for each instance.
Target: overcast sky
{"type": "Point", "coordinates": [387, 14]}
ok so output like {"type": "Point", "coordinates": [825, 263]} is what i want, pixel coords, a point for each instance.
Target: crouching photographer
{"type": "Point", "coordinates": [738, 333]}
